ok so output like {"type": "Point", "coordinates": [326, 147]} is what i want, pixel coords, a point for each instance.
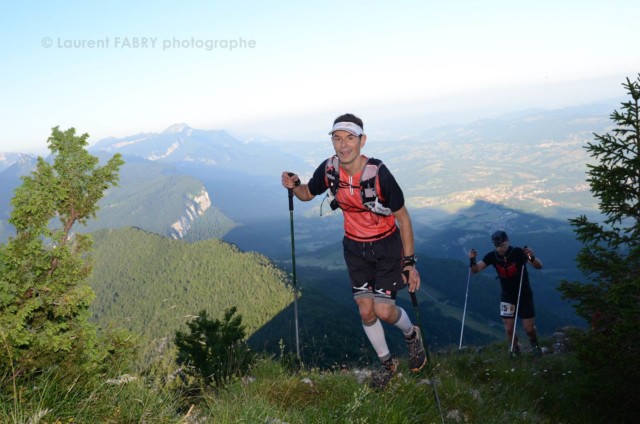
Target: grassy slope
{"type": "Point", "coordinates": [476, 386]}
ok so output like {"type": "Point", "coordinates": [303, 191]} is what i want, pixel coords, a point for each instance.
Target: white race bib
{"type": "Point", "coordinates": [507, 310]}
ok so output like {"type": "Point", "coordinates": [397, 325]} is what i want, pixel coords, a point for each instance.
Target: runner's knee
{"type": "Point", "coordinates": [386, 312]}
{"type": "Point", "coordinates": [366, 313]}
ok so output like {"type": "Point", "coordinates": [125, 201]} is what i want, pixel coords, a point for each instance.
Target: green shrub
{"type": "Point", "coordinates": [215, 350]}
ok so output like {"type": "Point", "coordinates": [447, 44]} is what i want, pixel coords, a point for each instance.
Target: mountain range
{"type": "Point", "coordinates": [180, 144]}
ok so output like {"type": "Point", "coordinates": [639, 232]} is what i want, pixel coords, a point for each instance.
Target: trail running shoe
{"type": "Point", "coordinates": [384, 374]}
{"type": "Point", "coordinates": [417, 356]}
{"type": "Point", "coordinates": [536, 350]}
{"type": "Point", "coordinates": [515, 352]}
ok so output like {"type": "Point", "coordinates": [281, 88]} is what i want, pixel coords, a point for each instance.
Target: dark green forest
{"type": "Point", "coordinates": [152, 285]}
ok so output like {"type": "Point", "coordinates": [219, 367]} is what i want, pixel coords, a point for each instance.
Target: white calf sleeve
{"type": "Point", "coordinates": [404, 322]}
{"type": "Point", "coordinates": [375, 334]}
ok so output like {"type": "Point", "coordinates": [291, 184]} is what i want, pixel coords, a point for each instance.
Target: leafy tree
{"type": "Point", "coordinates": [214, 350]}
{"type": "Point", "coordinates": [44, 297]}
{"type": "Point", "coordinates": [611, 259]}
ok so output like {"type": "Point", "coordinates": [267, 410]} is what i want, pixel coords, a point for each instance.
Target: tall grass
{"type": "Point", "coordinates": [50, 398]}
{"type": "Point", "coordinates": [475, 386]}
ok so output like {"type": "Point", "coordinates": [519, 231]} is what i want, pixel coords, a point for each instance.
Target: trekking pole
{"type": "Point", "coordinates": [515, 318]}
{"type": "Point", "coordinates": [416, 309]}
{"type": "Point", "coordinates": [293, 266]}
{"type": "Point", "coordinates": [464, 311]}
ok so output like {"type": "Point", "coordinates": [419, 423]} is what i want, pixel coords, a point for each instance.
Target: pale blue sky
{"type": "Point", "coordinates": [311, 61]}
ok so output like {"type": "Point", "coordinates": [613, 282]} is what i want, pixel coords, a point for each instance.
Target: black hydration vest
{"type": "Point", "coordinates": [368, 179]}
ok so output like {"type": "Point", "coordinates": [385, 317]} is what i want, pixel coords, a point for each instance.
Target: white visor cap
{"type": "Point", "coordinates": [349, 127]}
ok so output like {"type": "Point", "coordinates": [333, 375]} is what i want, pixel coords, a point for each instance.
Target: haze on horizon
{"type": "Point", "coordinates": [400, 65]}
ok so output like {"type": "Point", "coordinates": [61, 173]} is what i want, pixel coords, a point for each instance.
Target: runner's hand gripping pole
{"type": "Point", "coordinates": [290, 192]}
{"type": "Point", "coordinates": [293, 267]}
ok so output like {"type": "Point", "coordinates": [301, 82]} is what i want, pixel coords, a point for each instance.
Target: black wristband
{"type": "Point", "coordinates": [409, 261]}
{"type": "Point", "coordinates": [472, 262]}
{"type": "Point", "coordinates": [532, 258]}
{"type": "Point", "coordinates": [296, 183]}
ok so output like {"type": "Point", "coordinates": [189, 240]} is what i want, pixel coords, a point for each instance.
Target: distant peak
{"type": "Point", "coordinates": [176, 128]}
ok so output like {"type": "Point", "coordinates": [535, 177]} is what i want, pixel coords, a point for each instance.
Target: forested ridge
{"type": "Point", "coordinates": [152, 285]}
{"type": "Point", "coordinates": [153, 197]}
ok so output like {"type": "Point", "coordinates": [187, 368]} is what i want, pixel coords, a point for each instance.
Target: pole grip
{"type": "Point", "coordinates": [290, 191]}
{"type": "Point", "coordinates": [526, 257]}
{"type": "Point", "coordinates": [414, 299]}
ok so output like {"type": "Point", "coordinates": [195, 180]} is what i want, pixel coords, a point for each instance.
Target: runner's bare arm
{"type": "Point", "coordinates": [301, 191]}
{"type": "Point", "coordinates": [406, 232]}
{"type": "Point", "coordinates": [532, 258]}
{"type": "Point", "coordinates": [475, 267]}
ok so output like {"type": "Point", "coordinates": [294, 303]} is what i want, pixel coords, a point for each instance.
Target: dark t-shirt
{"type": "Point", "coordinates": [509, 268]}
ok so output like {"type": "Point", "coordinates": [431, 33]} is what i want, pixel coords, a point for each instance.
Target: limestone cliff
{"type": "Point", "coordinates": [195, 206]}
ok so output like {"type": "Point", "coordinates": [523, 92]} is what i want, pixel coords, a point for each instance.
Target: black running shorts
{"type": "Point", "coordinates": [526, 309]}
{"type": "Point", "coordinates": [375, 267]}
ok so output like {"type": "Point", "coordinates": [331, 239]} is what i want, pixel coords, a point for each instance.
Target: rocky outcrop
{"type": "Point", "coordinates": [195, 206]}
{"type": "Point", "coordinates": [562, 340]}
